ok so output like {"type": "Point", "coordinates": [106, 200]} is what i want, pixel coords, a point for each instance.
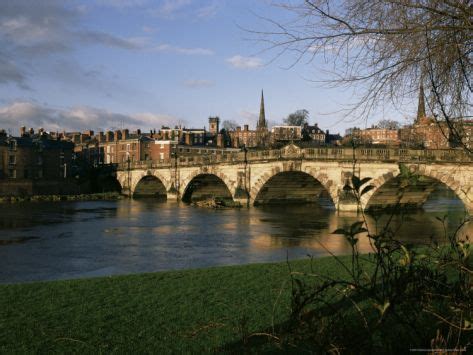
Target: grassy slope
{"type": "Point", "coordinates": [180, 311]}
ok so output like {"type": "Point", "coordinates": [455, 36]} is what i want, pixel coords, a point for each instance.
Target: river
{"type": "Point", "coordinates": [63, 240]}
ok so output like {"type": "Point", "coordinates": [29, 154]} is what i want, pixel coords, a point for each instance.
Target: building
{"type": "Point", "coordinates": [34, 156]}
{"type": "Point", "coordinates": [426, 131]}
{"type": "Point", "coordinates": [244, 137]}
{"type": "Point", "coordinates": [286, 133]}
{"type": "Point", "coordinates": [314, 133]}
{"type": "Point", "coordinates": [252, 138]}
{"type": "Point", "coordinates": [375, 135]}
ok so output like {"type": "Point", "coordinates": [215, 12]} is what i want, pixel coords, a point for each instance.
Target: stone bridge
{"type": "Point", "coordinates": [292, 174]}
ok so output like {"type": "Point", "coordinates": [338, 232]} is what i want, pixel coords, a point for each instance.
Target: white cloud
{"type": "Point", "coordinates": [169, 9]}
{"type": "Point", "coordinates": [121, 4]}
{"type": "Point", "coordinates": [198, 83]}
{"type": "Point", "coordinates": [31, 114]}
{"type": "Point", "coordinates": [182, 50]}
{"type": "Point", "coordinates": [249, 115]}
{"type": "Point", "coordinates": [241, 62]}
{"type": "Point", "coordinates": [149, 29]}
{"type": "Point", "coordinates": [209, 10]}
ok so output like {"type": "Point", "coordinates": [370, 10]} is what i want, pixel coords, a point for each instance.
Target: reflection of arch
{"type": "Point", "coordinates": [292, 186]}
{"type": "Point", "coordinates": [205, 185]}
{"type": "Point", "coordinates": [386, 188]}
{"type": "Point", "coordinates": [150, 186]}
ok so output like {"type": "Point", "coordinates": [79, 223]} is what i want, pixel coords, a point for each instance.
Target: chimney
{"type": "Point", "coordinates": [31, 131]}
{"type": "Point", "coordinates": [238, 128]}
{"type": "Point", "coordinates": [245, 127]}
{"type": "Point", "coordinates": [125, 134]}
{"type": "Point", "coordinates": [101, 137]}
{"type": "Point", "coordinates": [189, 138]}
{"type": "Point", "coordinates": [117, 135]}
{"type": "Point", "coordinates": [22, 131]}
{"type": "Point", "coordinates": [138, 131]}
{"type": "Point", "coordinates": [109, 136]}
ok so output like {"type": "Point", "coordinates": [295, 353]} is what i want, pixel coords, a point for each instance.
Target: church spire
{"type": "Point", "coordinates": [421, 105]}
{"type": "Point", "coordinates": [262, 118]}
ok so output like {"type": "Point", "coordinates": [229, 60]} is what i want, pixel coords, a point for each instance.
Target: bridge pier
{"type": "Point", "coordinates": [242, 196]}
{"type": "Point", "coordinates": [347, 202]}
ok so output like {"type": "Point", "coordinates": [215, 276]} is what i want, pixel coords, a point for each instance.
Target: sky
{"type": "Point", "coordinates": [108, 64]}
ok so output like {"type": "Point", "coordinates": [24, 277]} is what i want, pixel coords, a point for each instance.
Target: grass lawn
{"type": "Point", "coordinates": [189, 311]}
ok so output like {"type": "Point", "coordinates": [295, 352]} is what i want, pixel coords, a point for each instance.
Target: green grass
{"type": "Point", "coordinates": [189, 311]}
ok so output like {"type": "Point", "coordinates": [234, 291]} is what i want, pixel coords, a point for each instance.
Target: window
{"type": "Point", "coordinates": [11, 159]}
{"type": "Point", "coordinates": [162, 145]}
{"type": "Point", "coordinates": [128, 147]}
{"type": "Point", "coordinates": [12, 173]}
{"type": "Point", "coordinates": [161, 156]}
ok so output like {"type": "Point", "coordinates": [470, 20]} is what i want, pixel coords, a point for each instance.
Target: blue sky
{"type": "Point", "coordinates": [105, 64]}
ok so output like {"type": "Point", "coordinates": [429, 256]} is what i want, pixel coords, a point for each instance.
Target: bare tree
{"type": "Point", "coordinates": [388, 124]}
{"type": "Point", "coordinates": [229, 125]}
{"type": "Point", "coordinates": [297, 118]}
{"type": "Point", "coordinates": [386, 49]}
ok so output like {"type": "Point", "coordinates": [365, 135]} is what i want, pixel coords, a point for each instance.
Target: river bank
{"type": "Point", "coordinates": [191, 311]}
{"type": "Point", "coordinates": [111, 196]}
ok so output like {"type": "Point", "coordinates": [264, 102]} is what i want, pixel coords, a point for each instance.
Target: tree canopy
{"type": "Point", "coordinates": [297, 118]}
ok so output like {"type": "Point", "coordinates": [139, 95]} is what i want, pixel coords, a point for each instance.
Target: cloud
{"type": "Point", "coordinates": [241, 62]}
{"type": "Point", "coordinates": [31, 114]}
{"type": "Point", "coordinates": [198, 83]}
{"type": "Point", "coordinates": [33, 30]}
{"type": "Point", "coordinates": [209, 10]}
{"type": "Point", "coordinates": [10, 73]}
{"type": "Point", "coordinates": [182, 50]}
{"type": "Point", "coordinates": [249, 116]}
{"type": "Point", "coordinates": [149, 29]}
{"type": "Point", "coordinates": [169, 9]}
{"type": "Point", "coordinates": [122, 4]}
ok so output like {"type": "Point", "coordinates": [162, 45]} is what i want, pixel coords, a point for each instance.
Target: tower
{"type": "Point", "coordinates": [262, 134]}
{"type": "Point", "coordinates": [421, 105]}
{"type": "Point", "coordinates": [214, 124]}
{"type": "Point", "coordinates": [261, 125]}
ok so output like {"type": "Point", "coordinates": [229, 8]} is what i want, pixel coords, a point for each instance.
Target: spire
{"type": "Point", "coordinates": [421, 105]}
{"type": "Point", "coordinates": [262, 118]}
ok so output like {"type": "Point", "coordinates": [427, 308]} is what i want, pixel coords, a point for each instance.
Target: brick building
{"type": "Point", "coordinates": [286, 133]}
{"type": "Point", "coordinates": [375, 135]}
{"type": "Point", "coordinates": [34, 156]}
{"type": "Point", "coordinates": [252, 138]}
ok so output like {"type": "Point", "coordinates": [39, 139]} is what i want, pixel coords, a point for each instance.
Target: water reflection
{"type": "Point", "coordinates": [80, 239]}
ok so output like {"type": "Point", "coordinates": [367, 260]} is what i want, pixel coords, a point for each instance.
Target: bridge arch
{"type": "Point", "coordinates": [108, 183]}
{"type": "Point", "coordinates": [150, 186]}
{"type": "Point", "coordinates": [386, 188]}
{"type": "Point", "coordinates": [292, 186]}
{"type": "Point", "coordinates": [204, 185]}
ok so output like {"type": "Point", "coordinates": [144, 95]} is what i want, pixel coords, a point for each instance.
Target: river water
{"type": "Point", "coordinates": [63, 240]}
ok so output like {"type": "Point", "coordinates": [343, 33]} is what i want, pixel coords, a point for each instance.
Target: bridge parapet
{"type": "Point", "coordinates": [344, 154]}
